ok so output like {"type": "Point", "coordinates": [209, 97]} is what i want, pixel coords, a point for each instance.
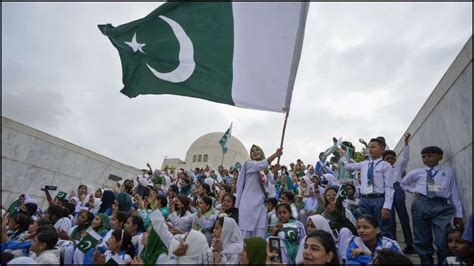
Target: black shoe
{"type": "Point", "coordinates": [409, 250]}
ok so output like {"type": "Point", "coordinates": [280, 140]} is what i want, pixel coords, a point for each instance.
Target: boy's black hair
{"type": "Point", "coordinates": [49, 237]}
{"type": "Point", "coordinates": [174, 188]}
{"type": "Point", "coordinates": [455, 229]}
{"type": "Point", "coordinates": [379, 140]}
{"type": "Point", "coordinates": [388, 152]}
{"type": "Point", "coordinates": [272, 201]}
{"type": "Point", "coordinates": [290, 196]}
{"type": "Point", "coordinates": [57, 211]}
{"type": "Point", "coordinates": [45, 227]}
{"type": "Point", "coordinates": [432, 149]}
{"type": "Point", "coordinates": [23, 221]}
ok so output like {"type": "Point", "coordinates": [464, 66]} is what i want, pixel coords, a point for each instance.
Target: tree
{"type": "Point", "coordinates": [167, 167]}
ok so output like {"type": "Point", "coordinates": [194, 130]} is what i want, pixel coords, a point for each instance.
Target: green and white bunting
{"type": "Point", "coordinates": [236, 53]}
{"type": "Point", "coordinates": [224, 141]}
{"type": "Point", "coordinates": [89, 241]}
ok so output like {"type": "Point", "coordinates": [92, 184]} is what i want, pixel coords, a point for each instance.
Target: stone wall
{"type": "Point", "coordinates": [445, 120]}
{"type": "Point", "coordinates": [32, 159]}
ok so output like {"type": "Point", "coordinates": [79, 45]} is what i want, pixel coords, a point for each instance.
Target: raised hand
{"type": "Point", "coordinates": [407, 137]}
{"type": "Point", "coordinates": [363, 142]}
{"type": "Point", "coordinates": [341, 152]}
{"type": "Point", "coordinates": [181, 250]}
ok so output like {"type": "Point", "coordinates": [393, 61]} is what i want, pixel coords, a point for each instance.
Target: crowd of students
{"type": "Point", "coordinates": [334, 212]}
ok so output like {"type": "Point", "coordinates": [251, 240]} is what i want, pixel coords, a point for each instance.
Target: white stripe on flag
{"type": "Point", "coordinates": [266, 53]}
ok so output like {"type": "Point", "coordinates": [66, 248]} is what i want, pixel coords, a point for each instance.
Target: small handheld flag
{"type": "Point", "coordinates": [224, 142]}
{"type": "Point", "coordinates": [89, 241]}
{"type": "Point", "coordinates": [61, 195]}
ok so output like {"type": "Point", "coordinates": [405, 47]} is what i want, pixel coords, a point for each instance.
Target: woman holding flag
{"type": "Point", "coordinates": [251, 193]}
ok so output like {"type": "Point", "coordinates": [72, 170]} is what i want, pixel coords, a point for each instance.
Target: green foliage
{"type": "Point", "coordinates": [358, 156]}
{"type": "Point", "coordinates": [167, 167]}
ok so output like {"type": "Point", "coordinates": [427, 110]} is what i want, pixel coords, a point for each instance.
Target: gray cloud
{"type": "Point", "coordinates": [366, 70]}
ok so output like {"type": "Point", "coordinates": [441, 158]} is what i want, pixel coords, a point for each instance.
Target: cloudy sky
{"type": "Point", "coordinates": [365, 70]}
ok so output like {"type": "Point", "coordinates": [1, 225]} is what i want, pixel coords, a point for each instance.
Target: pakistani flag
{"type": "Point", "coordinates": [61, 195]}
{"type": "Point", "coordinates": [89, 241]}
{"type": "Point", "coordinates": [342, 192]}
{"type": "Point", "coordinates": [224, 142]}
{"type": "Point", "coordinates": [241, 54]}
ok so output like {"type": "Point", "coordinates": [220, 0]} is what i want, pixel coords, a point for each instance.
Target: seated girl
{"type": "Point", "coordinates": [227, 243]}
{"type": "Point", "coordinates": [362, 249]}
{"type": "Point", "coordinates": [205, 217]}
{"type": "Point", "coordinates": [460, 248]}
{"type": "Point", "coordinates": [290, 231]}
{"type": "Point", "coordinates": [120, 249]}
{"type": "Point", "coordinates": [320, 249]}
{"type": "Point", "coordinates": [180, 219]}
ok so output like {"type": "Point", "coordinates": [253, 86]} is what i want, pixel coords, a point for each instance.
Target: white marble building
{"type": "Point", "coordinates": [206, 150]}
{"type": "Point", "coordinates": [445, 120]}
{"type": "Point", "coordinates": [32, 159]}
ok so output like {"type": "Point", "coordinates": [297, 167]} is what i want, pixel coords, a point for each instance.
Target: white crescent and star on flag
{"type": "Point", "coordinates": [186, 54]}
{"type": "Point", "coordinates": [86, 245]}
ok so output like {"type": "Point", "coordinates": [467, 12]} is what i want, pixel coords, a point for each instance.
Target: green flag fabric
{"type": "Point", "coordinates": [14, 207]}
{"type": "Point", "coordinates": [225, 139]}
{"type": "Point", "coordinates": [89, 241]}
{"type": "Point", "coordinates": [61, 195]}
{"type": "Point", "coordinates": [241, 54]}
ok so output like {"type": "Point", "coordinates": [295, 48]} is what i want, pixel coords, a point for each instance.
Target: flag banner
{"type": "Point", "coordinates": [61, 195]}
{"type": "Point", "coordinates": [341, 192]}
{"type": "Point", "coordinates": [333, 148]}
{"type": "Point", "coordinates": [241, 54]}
{"type": "Point", "coordinates": [89, 241]}
{"type": "Point", "coordinates": [224, 142]}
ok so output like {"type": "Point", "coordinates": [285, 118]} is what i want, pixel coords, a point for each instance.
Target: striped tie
{"type": "Point", "coordinates": [370, 174]}
{"type": "Point", "coordinates": [430, 181]}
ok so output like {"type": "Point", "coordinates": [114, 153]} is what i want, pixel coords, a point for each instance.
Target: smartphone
{"type": "Point", "coordinates": [50, 188]}
{"type": "Point", "coordinates": [275, 248]}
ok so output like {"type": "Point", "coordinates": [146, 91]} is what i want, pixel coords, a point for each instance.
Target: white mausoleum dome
{"type": "Point", "coordinates": [207, 150]}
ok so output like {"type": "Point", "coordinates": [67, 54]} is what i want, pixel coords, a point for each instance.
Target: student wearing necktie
{"type": "Point", "coordinates": [376, 185]}
{"type": "Point", "coordinates": [437, 199]}
{"type": "Point", "coordinates": [399, 166]}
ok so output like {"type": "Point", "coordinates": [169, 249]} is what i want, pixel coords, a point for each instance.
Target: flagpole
{"type": "Point", "coordinates": [283, 133]}
{"type": "Point", "coordinates": [222, 161]}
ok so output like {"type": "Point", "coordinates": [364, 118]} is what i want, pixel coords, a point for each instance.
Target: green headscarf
{"type": "Point", "coordinates": [105, 223]}
{"type": "Point", "coordinates": [262, 154]}
{"type": "Point", "coordinates": [153, 249]}
{"type": "Point", "coordinates": [261, 158]}
{"type": "Point", "coordinates": [125, 202]}
{"type": "Point", "coordinates": [256, 248]}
